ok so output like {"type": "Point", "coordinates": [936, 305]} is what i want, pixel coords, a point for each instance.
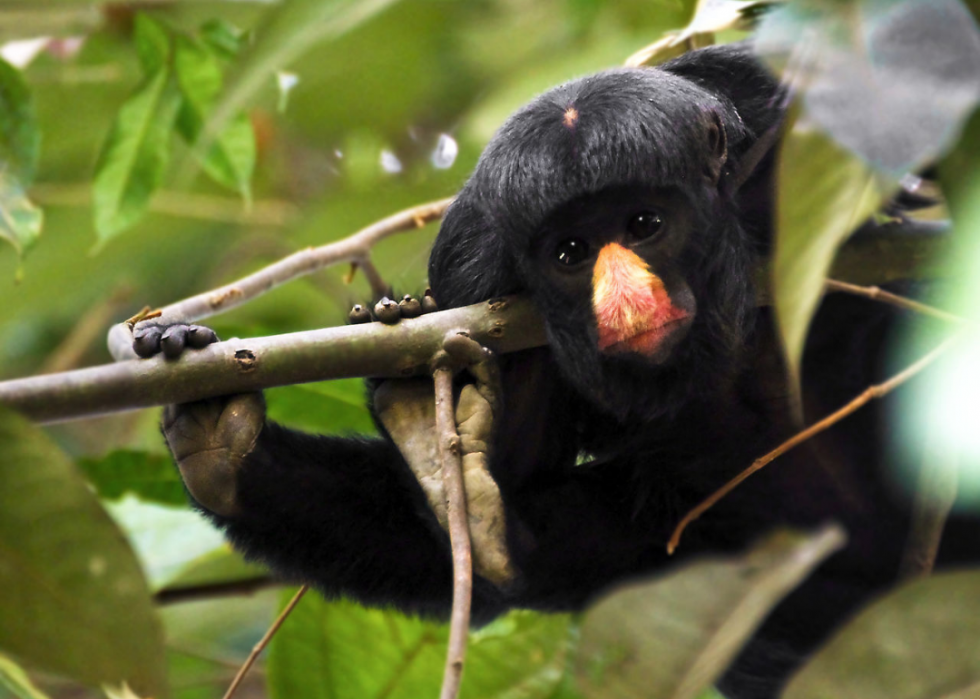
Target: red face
{"type": "Point", "coordinates": [633, 311]}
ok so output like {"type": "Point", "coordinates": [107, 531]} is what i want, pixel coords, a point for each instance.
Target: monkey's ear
{"type": "Point", "coordinates": [717, 148]}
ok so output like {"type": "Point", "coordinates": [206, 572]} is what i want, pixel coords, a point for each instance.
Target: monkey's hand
{"type": "Point", "coordinates": [210, 438]}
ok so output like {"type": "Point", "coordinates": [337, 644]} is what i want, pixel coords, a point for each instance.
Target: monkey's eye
{"type": "Point", "coordinates": [572, 251]}
{"type": "Point", "coordinates": [645, 224]}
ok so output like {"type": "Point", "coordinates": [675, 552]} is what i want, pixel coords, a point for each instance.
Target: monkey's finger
{"type": "Point", "coordinates": [199, 336]}
{"type": "Point", "coordinates": [146, 341]}
{"type": "Point", "coordinates": [173, 341]}
{"type": "Point", "coordinates": [479, 362]}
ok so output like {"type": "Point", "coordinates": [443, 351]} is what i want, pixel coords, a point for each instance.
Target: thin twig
{"type": "Point", "coordinates": [86, 332]}
{"type": "Point", "coordinates": [260, 646]}
{"type": "Point", "coordinates": [459, 533]}
{"type": "Point", "coordinates": [877, 294]}
{"type": "Point", "coordinates": [354, 248]}
{"type": "Point", "coordinates": [869, 394]}
{"type": "Point", "coordinates": [378, 285]}
{"type": "Point", "coordinates": [934, 497]}
{"type": "Point", "coordinates": [201, 207]}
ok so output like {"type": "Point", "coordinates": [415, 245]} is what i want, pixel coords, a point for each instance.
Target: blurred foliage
{"type": "Point", "coordinates": [103, 137]}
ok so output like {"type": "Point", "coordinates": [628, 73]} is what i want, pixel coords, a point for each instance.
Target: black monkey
{"type": "Point", "coordinates": [610, 202]}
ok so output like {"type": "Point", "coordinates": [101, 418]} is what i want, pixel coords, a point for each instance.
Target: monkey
{"type": "Point", "coordinates": [631, 207]}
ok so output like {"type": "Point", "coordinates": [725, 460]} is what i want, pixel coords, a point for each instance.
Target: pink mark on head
{"type": "Point", "coordinates": [570, 117]}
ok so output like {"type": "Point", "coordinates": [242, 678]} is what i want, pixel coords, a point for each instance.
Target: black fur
{"type": "Point", "coordinates": [346, 514]}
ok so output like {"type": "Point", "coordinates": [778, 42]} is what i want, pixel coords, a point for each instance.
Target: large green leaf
{"type": "Point", "coordinates": [341, 650]}
{"type": "Point", "coordinates": [16, 681]}
{"type": "Point", "coordinates": [944, 408]}
{"type": "Point", "coordinates": [326, 406]}
{"type": "Point", "coordinates": [824, 193]}
{"type": "Point", "coordinates": [153, 44]}
{"type": "Point", "coordinates": [231, 158]}
{"type": "Point", "coordinates": [893, 81]}
{"type": "Point", "coordinates": [673, 637]}
{"type": "Point", "coordinates": [920, 642]}
{"type": "Point", "coordinates": [151, 477]}
{"type": "Point", "coordinates": [20, 139]}
{"type": "Point", "coordinates": [72, 597]}
{"type": "Point", "coordinates": [288, 31]}
{"type": "Point", "coordinates": [135, 156]}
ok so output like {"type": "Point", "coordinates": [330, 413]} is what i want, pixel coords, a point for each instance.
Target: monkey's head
{"type": "Point", "coordinates": [604, 200]}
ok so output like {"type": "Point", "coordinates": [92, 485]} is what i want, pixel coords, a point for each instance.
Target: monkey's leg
{"type": "Point", "coordinates": [344, 514]}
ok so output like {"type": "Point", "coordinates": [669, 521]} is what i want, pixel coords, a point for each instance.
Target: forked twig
{"type": "Point", "coordinates": [354, 248]}
{"type": "Point", "coordinates": [264, 641]}
{"type": "Point", "coordinates": [459, 532]}
{"type": "Point", "coordinates": [869, 394]}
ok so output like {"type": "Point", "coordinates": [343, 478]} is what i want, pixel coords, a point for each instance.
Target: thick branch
{"type": "Point", "coordinates": [354, 248]}
{"type": "Point", "coordinates": [235, 366]}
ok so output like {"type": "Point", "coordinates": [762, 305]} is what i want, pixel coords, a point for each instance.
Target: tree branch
{"type": "Point", "coordinates": [877, 294]}
{"type": "Point", "coordinates": [869, 394]}
{"type": "Point", "coordinates": [235, 366]}
{"type": "Point", "coordinates": [260, 646]}
{"type": "Point", "coordinates": [355, 248]}
{"type": "Point", "coordinates": [459, 528]}
{"type": "Point", "coordinates": [233, 588]}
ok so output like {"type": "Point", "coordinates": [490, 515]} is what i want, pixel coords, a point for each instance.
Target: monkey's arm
{"type": "Point", "coordinates": [344, 514]}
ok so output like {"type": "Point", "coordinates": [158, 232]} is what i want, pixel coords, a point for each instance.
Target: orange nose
{"type": "Point", "coordinates": [627, 298]}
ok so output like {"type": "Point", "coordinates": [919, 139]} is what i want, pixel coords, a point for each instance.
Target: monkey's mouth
{"type": "Point", "coordinates": [655, 342]}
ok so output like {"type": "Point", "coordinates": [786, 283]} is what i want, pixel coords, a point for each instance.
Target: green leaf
{"type": "Point", "coordinates": [231, 158]}
{"type": "Point", "coordinates": [943, 408]}
{"type": "Point", "coordinates": [20, 139]}
{"type": "Point", "coordinates": [919, 642]}
{"type": "Point", "coordinates": [892, 81]}
{"type": "Point", "coordinates": [20, 220]}
{"type": "Point", "coordinates": [152, 44]}
{"type": "Point", "coordinates": [222, 37]}
{"type": "Point", "coordinates": [151, 477]}
{"type": "Point", "coordinates": [327, 406]}
{"type": "Point", "coordinates": [13, 677]}
{"type": "Point", "coordinates": [221, 565]}
{"type": "Point", "coordinates": [135, 155]}
{"type": "Point", "coordinates": [341, 650]}
{"type": "Point", "coordinates": [287, 32]}
{"type": "Point", "coordinates": [673, 637]}
{"type": "Point", "coordinates": [72, 597]}
{"type": "Point", "coordinates": [824, 193]}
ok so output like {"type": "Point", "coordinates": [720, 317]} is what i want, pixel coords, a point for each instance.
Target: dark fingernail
{"type": "Point", "coordinates": [199, 336]}
{"type": "Point", "coordinates": [173, 340]}
{"type": "Point", "coordinates": [146, 341]}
